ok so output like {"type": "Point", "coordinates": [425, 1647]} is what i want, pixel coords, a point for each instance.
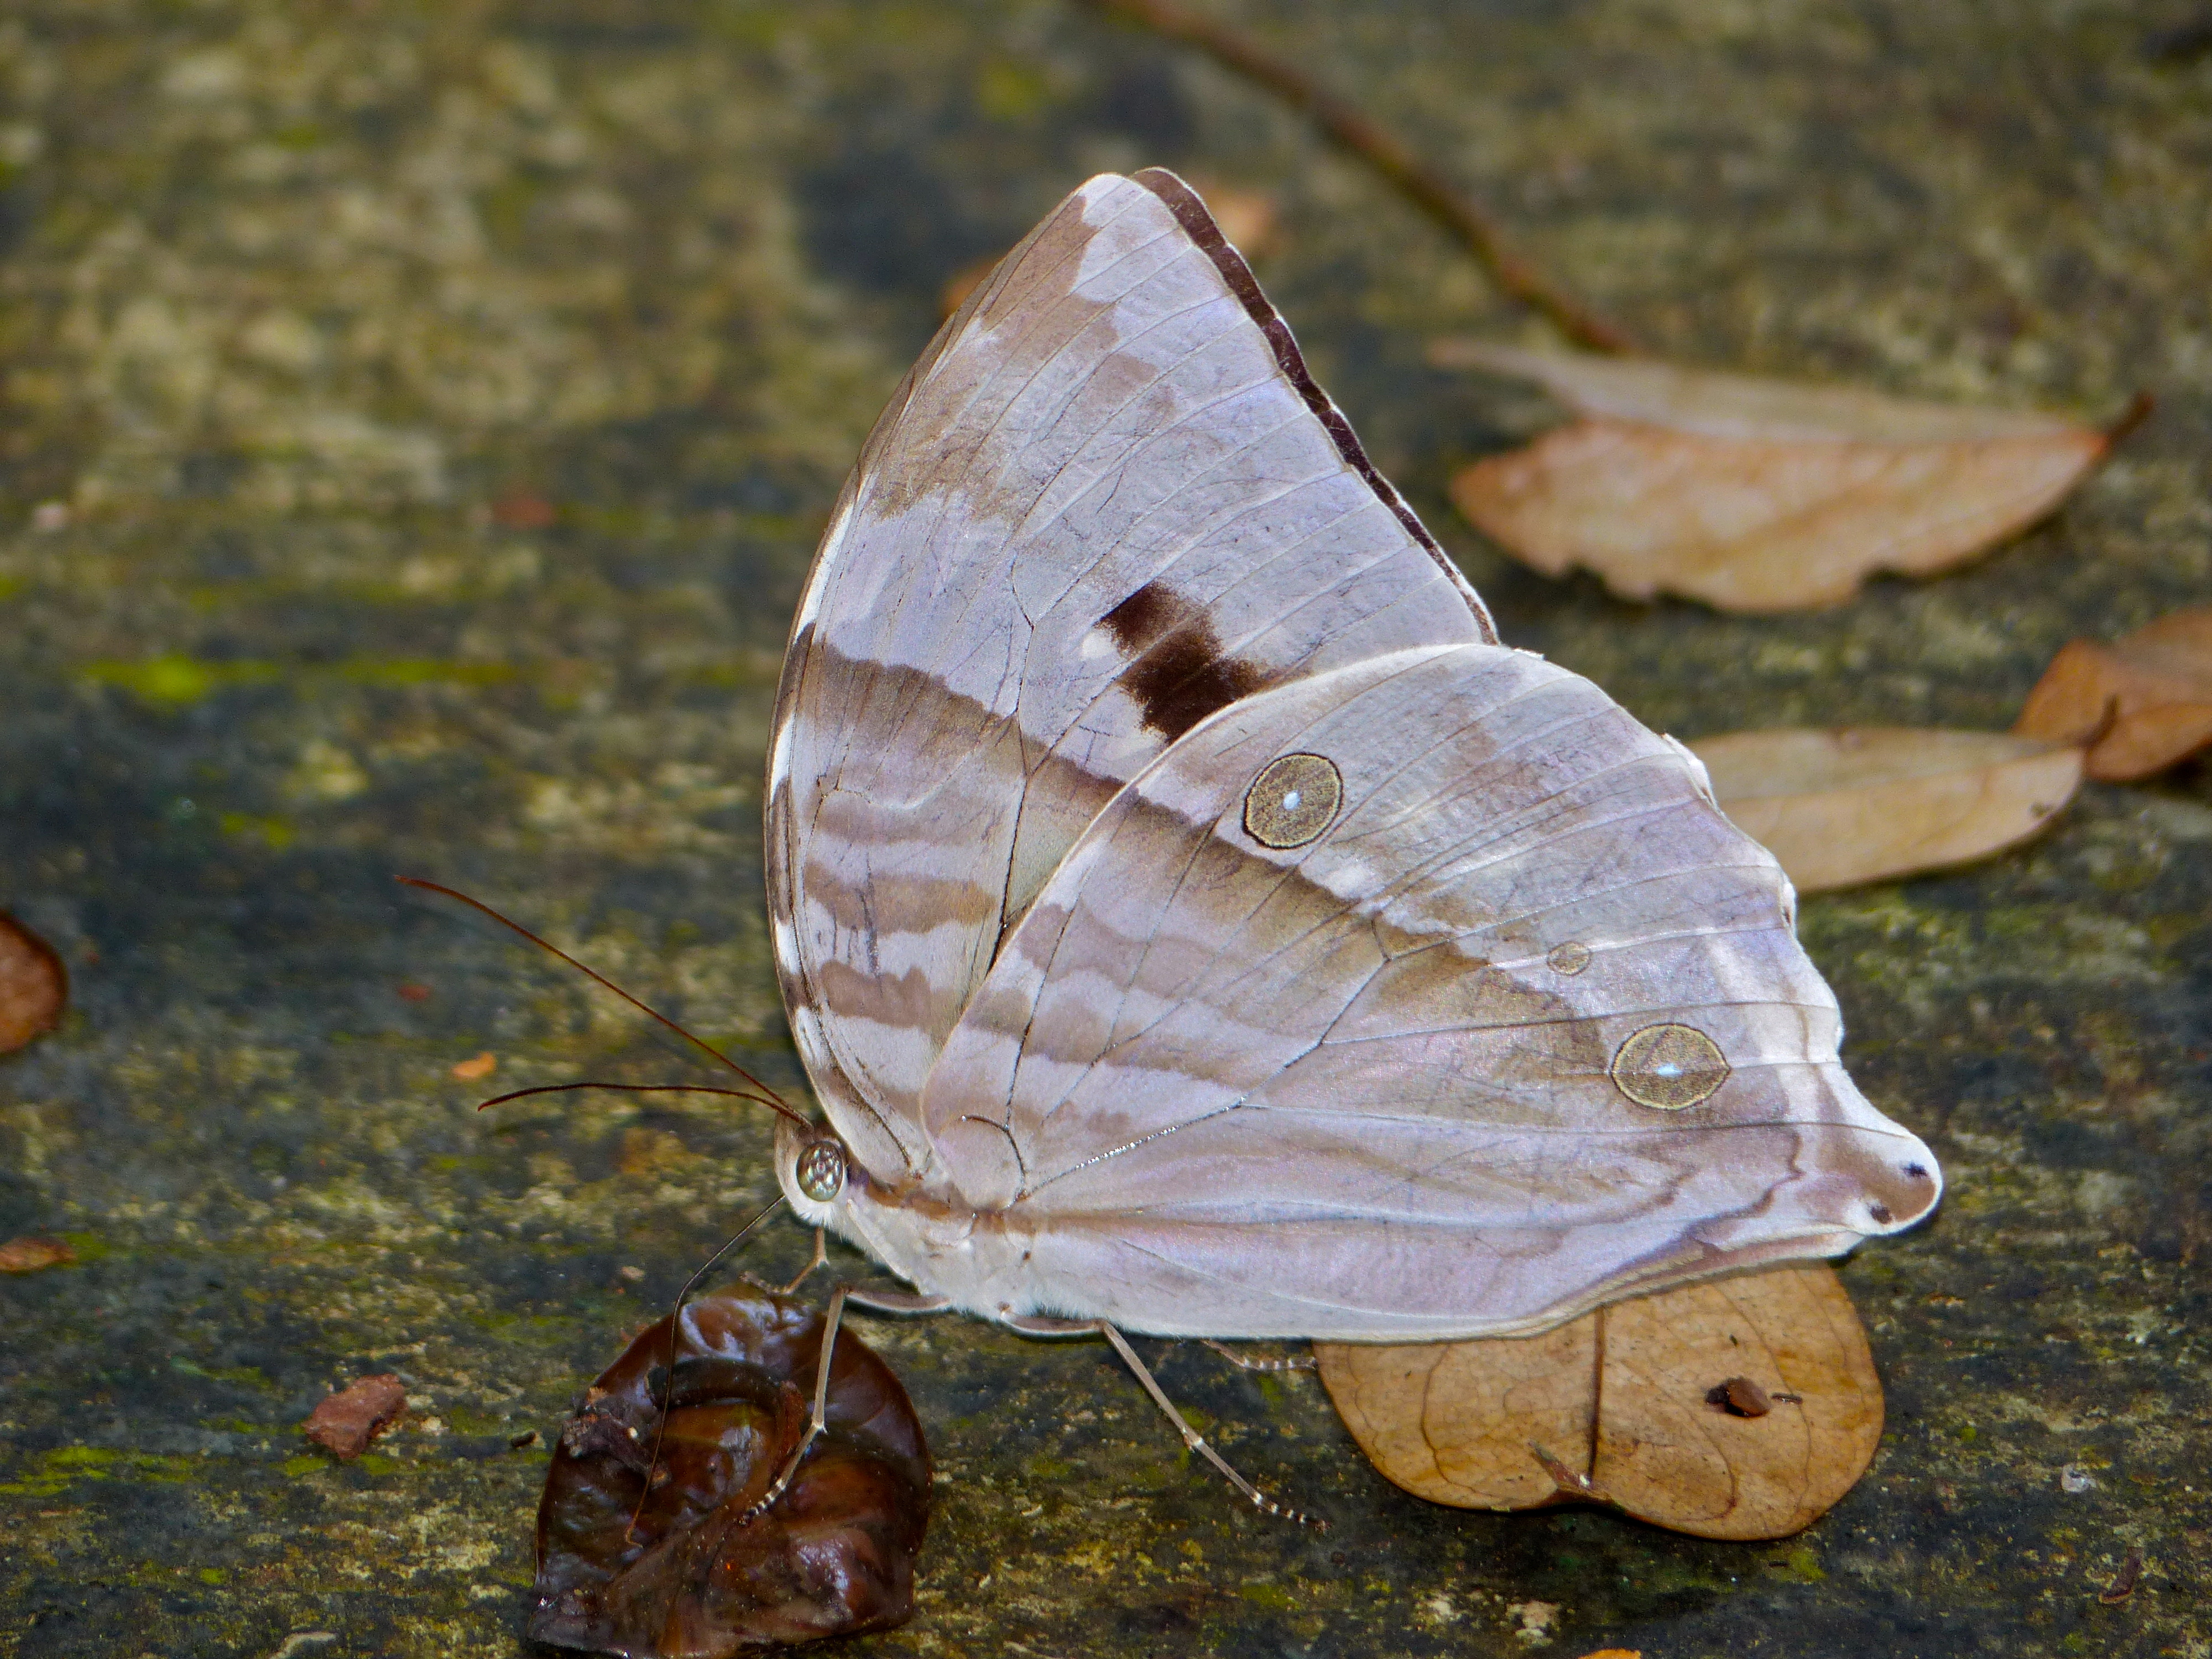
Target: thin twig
{"type": "Point", "coordinates": [1388, 155]}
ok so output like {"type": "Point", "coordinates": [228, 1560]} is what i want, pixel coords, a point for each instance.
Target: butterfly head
{"type": "Point", "coordinates": [812, 1167]}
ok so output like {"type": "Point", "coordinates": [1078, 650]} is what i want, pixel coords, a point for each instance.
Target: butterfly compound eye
{"type": "Point", "coordinates": [821, 1172]}
{"type": "Point", "coordinates": [1293, 800]}
{"type": "Point", "coordinates": [1669, 1066]}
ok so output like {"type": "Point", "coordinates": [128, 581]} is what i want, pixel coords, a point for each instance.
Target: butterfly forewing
{"type": "Point", "coordinates": [1107, 503]}
{"type": "Point", "coordinates": [1523, 1027]}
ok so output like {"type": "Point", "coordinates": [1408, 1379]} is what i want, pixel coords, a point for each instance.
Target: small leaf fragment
{"type": "Point", "coordinates": [1755, 494]}
{"type": "Point", "coordinates": [1842, 806]}
{"type": "Point", "coordinates": [2141, 703]}
{"type": "Point", "coordinates": [523, 511]}
{"type": "Point", "coordinates": [34, 1253]}
{"type": "Point", "coordinates": [1740, 1396]}
{"type": "Point", "coordinates": [33, 985]}
{"type": "Point", "coordinates": [345, 1422]}
{"type": "Point", "coordinates": [475, 1070]}
{"type": "Point", "coordinates": [1618, 1400]}
{"type": "Point", "coordinates": [2123, 1581]}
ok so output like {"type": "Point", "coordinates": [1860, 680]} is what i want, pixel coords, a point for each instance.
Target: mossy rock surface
{"type": "Point", "coordinates": [434, 408]}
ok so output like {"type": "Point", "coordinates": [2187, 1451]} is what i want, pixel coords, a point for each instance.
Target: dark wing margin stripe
{"type": "Point", "coordinates": [1191, 214]}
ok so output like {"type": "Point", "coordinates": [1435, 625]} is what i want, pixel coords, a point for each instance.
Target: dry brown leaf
{"type": "Point", "coordinates": [1755, 494]}
{"type": "Point", "coordinates": [34, 1253]}
{"type": "Point", "coordinates": [1857, 804]}
{"type": "Point", "coordinates": [2142, 702]}
{"type": "Point", "coordinates": [348, 1421]}
{"type": "Point", "coordinates": [1616, 1403]}
{"type": "Point", "coordinates": [33, 985]}
{"type": "Point", "coordinates": [472, 1071]}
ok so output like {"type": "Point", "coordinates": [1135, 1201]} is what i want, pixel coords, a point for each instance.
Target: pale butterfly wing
{"type": "Point", "coordinates": [1108, 501]}
{"type": "Point", "coordinates": [1510, 1021]}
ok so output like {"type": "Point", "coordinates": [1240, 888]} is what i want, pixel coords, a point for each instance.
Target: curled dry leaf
{"type": "Point", "coordinates": [34, 1253]}
{"type": "Point", "coordinates": [1616, 1404]}
{"type": "Point", "coordinates": [33, 985]}
{"type": "Point", "coordinates": [834, 1555]}
{"type": "Point", "coordinates": [2141, 703]}
{"type": "Point", "coordinates": [1855, 804]}
{"type": "Point", "coordinates": [1755, 494]}
{"type": "Point", "coordinates": [348, 1421]}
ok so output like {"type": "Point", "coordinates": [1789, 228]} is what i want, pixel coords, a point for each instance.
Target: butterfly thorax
{"type": "Point", "coordinates": [937, 1243]}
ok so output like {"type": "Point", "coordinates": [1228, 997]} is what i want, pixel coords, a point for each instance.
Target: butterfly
{"type": "Point", "coordinates": [1194, 920]}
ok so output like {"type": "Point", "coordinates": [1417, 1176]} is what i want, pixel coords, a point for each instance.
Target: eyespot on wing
{"type": "Point", "coordinates": [1669, 1066]}
{"type": "Point", "coordinates": [1293, 800]}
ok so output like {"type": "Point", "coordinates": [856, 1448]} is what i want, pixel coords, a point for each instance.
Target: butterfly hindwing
{"type": "Point", "coordinates": [1519, 1025]}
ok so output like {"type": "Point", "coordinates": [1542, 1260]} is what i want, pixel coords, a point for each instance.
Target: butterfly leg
{"type": "Point", "coordinates": [813, 1261]}
{"type": "Point", "coordinates": [882, 1302]}
{"type": "Point", "coordinates": [1191, 1436]}
{"type": "Point", "coordinates": [1293, 1362]}
{"type": "Point", "coordinates": [893, 1302]}
{"type": "Point", "coordinates": [818, 1422]}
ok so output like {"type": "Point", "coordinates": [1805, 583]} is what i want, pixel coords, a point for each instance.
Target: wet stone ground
{"type": "Point", "coordinates": [433, 407]}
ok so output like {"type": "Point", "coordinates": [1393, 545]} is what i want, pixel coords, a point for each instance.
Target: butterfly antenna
{"type": "Point", "coordinates": [628, 1089]}
{"type": "Point", "coordinates": [675, 1326]}
{"type": "Point", "coordinates": [776, 1101]}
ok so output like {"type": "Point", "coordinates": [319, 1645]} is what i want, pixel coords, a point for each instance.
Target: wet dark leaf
{"type": "Point", "coordinates": [833, 1556]}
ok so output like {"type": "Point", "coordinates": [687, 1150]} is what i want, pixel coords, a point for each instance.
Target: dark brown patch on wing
{"type": "Point", "coordinates": [1198, 224]}
{"type": "Point", "coordinates": [1177, 670]}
